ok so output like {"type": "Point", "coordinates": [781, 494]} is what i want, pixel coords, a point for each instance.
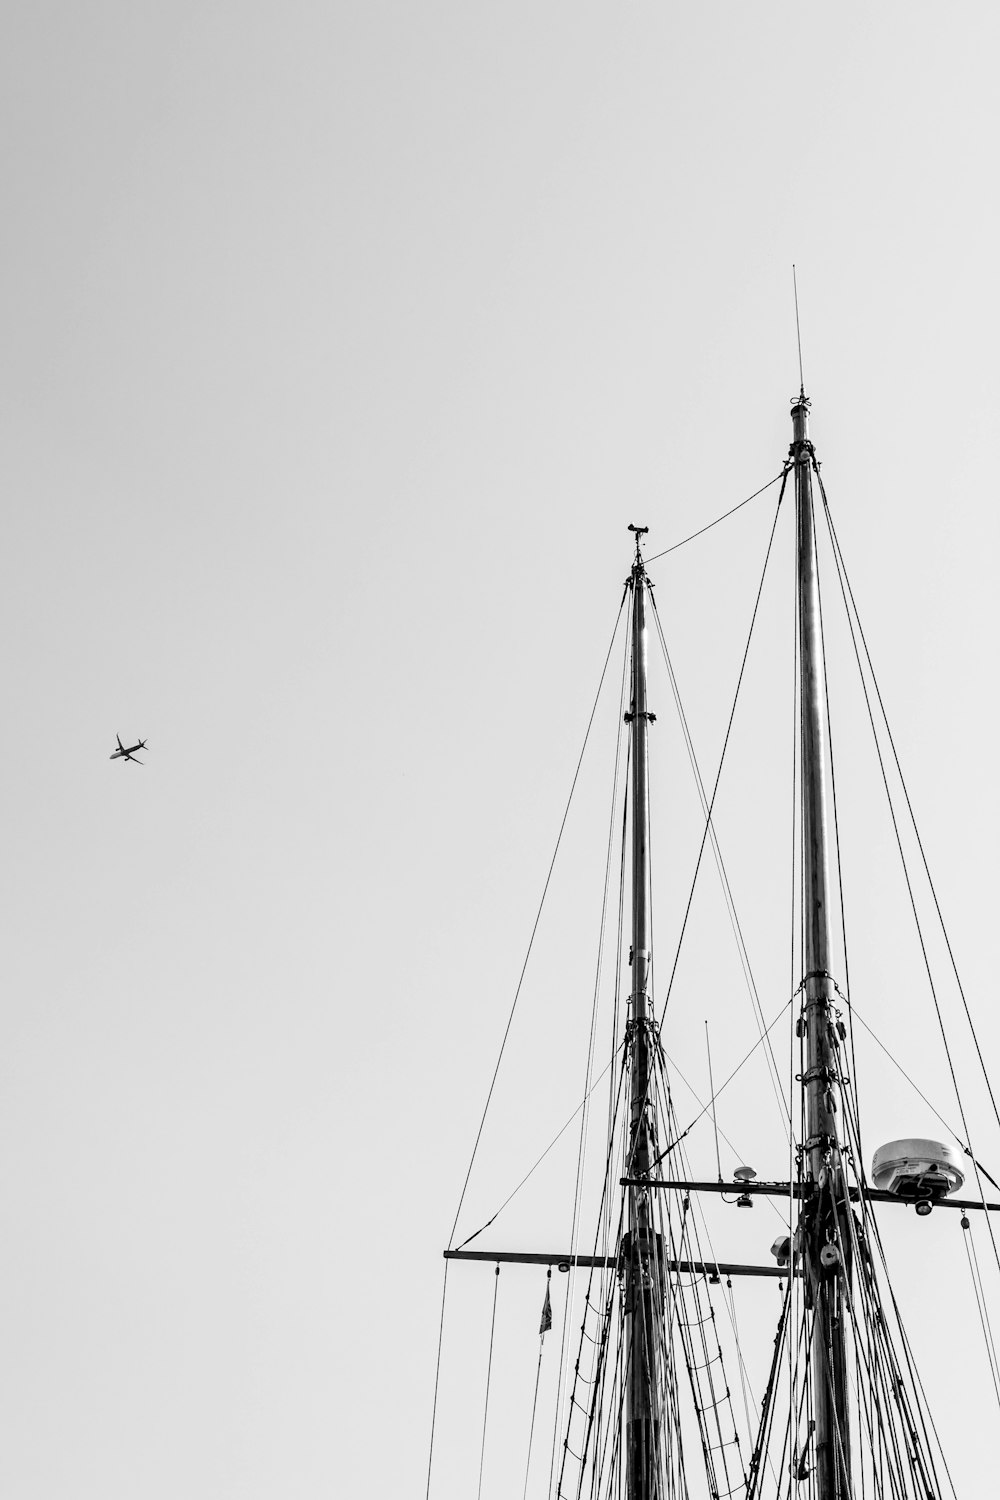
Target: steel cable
{"type": "Point", "coordinates": [489, 1372]}
{"type": "Point", "coordinates": [534, 929]}
{"type": "Point", "coordinates": [909, 807]}
{"type": "Point", "coordinates": [719, 519]}
{"type": "Point", "coordinates": [725, 746]}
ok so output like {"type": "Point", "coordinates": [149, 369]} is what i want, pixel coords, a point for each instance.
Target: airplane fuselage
{"type": "Point", "coordinates": [127, 752]}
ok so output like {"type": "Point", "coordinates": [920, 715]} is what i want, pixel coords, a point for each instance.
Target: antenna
{"type": "Point", "coordinates": [798, 330]}
{"type": "Point", "coordinates": [711, 1096]}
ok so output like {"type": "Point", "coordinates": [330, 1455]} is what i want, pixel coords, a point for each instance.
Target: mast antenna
{"type": "Point", "coordinates": [798, 330]}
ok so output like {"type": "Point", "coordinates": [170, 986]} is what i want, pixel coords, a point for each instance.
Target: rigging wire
{"type": "Point", "coordinates": [610, 1284]}
{"type": "Point", "coordinates": [538, 1376]}
{"type": "Point", "coordinates": [554, 1141]}
{"type": "Point", "coordinates": [725, 517]}
{"type": "Point", "coordinates": [846, 583]}
{"type": "Point", "coordinates": [620, 945]}
{"type": "Point", "coordinates": [980, 1294]}
{"type": "Point", "coordinates": [489, 1372]}
{"type": "Point", "coordinates": [675, 1142]}
{"type": "Point", "coordinates": [725, 745]}
{"type": "Point", "coordinates": [720, 1090]}
{"type": "Point", "coordinates": [762, 1446]}
{"type": "Point", "coordinates": [437, 1379]}
{"type": "Point", "coordinates": [534, 929]}
{"type": "Point", "coordinates": [919, 1092]}
{"type": "Point", "coordinates": [833, 798]}
{"type": "Point", "coordinates": [923, 1406]}
{"type": "Point", "coordinates": [734, 921]}
{"type": "Point", "coordinates": [711, 1090]}
{"type": "Point", "coordinates": [741, 1362]}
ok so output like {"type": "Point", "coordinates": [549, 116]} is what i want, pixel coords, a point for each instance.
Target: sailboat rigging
{"type": "Point", "coordinates": [648, 1406]}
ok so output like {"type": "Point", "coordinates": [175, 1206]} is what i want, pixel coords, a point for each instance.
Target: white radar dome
{"type": "Point", "coordinates": [916, 1169]}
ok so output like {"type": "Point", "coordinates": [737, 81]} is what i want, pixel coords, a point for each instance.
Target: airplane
{"type": "Point", "coordinates": [128, 754]}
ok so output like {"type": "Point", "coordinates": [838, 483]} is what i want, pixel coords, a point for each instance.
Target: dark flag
{"type": "Point", "coordinates": [546, 1322]}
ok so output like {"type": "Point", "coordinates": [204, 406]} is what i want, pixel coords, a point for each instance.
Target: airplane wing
{"type": "Point", "coordinates": [134, 761]}
{"type": "Point", "coordinates": [120, 745]}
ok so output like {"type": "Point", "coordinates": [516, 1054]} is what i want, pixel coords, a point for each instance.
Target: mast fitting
{"type": "Point", "coordinates": [639, 532]}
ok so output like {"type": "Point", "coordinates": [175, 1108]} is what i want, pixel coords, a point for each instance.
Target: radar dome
{"type": "Point", "coordinates": [917, 1169]}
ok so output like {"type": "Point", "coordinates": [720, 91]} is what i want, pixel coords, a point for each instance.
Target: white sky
{"type": "Point", "coordinates": [339, 346]}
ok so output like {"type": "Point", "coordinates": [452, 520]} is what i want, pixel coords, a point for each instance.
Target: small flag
{"type": "Point", "coordinates": [546, 1322]}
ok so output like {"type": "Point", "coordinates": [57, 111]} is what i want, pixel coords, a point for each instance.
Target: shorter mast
{"type": "Point", "coordinates": [644, 1260]}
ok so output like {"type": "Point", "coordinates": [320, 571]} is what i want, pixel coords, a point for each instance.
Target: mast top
{"type": "Point", "coordinates": [800, 419]}
{"type": "Point", "coordinates": [640, 532]}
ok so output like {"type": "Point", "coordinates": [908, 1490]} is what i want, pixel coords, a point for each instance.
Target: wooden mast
{"type": "Point", "coordinates": [823, 1247]}
{"type": "Point", "coordinates": [643, 1260]}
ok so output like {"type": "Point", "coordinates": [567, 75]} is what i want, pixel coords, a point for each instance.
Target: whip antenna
{"type": "Point", "coordinates": [798, 331]}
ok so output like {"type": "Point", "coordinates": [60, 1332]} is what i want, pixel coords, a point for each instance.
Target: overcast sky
{"type": "Point", "coordinates": [338, 345]}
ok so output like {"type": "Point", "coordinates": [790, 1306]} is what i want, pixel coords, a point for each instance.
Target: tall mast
{"type": "Point", "coordinates": [644, 1260]}
{"type": "Point", "coordinates": [826, 1259]}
